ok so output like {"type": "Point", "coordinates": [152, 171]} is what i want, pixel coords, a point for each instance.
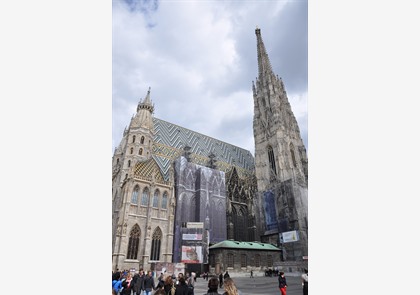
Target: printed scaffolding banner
{"type": "Point", "coordinates": [270, 210]}
{"type": "Point", "coordinates": [290, 236]}
{"type": "Point", "coordinates": [192, 254]}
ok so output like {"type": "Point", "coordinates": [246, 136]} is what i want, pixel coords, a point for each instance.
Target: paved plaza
{"type": "Point", "coordinates": [257, 285]}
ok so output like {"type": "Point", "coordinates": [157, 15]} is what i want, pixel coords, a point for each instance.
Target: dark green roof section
{"type": "Point", "coordinates": [230, 244]}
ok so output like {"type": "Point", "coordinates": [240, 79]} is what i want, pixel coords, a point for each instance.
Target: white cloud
{"type": "Point", "coordinates": [199, 59]}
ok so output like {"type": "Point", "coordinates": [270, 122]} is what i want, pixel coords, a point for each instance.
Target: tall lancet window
{"type": "Point", "coordinates": [145, 197]}
{"type": "Point", "coordinates": [157, 237]}
{"type": "Point", "coordinates": [155, 199]}
{"type": "Point", "coordinates": [133, 242]}
{"type": "Point", "coordinates": [272, 160]}
{"type": "Point", "coordinates": [164, 200]}
{"type": "Point", "coordinates": [134, 138]}
{"type": "Point", "coordinates": [134, 196]}
{"type": "Point", "coordinates": [142, 140]}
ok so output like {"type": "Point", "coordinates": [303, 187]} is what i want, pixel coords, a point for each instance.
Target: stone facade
{"type": "Point", "coordinates": [280, 162]}
{"type": "Point", "coordinates": [164, 175]}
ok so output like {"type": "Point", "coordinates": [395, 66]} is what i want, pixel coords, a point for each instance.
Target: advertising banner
{"type": "Point", "coordinates": [192, 254]}
{"type": "Point", "coordinates": [290, 236]}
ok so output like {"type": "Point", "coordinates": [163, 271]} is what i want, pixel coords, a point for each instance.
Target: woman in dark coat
{"type": "Point", "coordinates": [282, 283]}
{"type": "Point", "coordinates": [181, 288]}
{"type": "Point", "coordinates": [127, 285]}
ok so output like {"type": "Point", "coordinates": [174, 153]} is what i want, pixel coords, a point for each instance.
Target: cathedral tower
{"type": "Point", "coordinates": [280, 163]}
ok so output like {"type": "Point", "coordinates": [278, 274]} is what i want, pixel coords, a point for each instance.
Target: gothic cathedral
{"type": "Point", "coordinates": [165, 175]}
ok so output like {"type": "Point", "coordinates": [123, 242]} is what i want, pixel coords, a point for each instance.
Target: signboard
{"type": "Point", "coordinates": [192, 237]}
{"type": "Point", "coordinates": [290, 236]}
{"type": "Point", "coordinates": [195, 224]}
{"type": "Point", "coordinates": [192, 254]}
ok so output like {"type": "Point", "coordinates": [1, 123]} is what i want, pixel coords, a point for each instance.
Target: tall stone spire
{"type": "Point", "coordinates": [143, 117]}
{"type": "Point", "coordinates": [146, 103]}
{"type": "Point", "coordinates": [280, 161]}
{"type": "Point", "coordinates": [264, 65]}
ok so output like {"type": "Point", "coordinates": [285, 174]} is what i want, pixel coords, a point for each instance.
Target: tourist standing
{"type": "Point", "coordinates": [282, 283]}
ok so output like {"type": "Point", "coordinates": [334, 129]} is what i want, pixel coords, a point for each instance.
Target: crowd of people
{"type": "Point", "coordinates": [143, 283]}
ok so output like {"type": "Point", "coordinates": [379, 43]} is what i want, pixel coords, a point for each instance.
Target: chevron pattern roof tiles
{"type": "Point", "coordinates": [170, 139]}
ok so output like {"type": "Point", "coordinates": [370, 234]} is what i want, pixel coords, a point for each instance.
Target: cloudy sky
{"type": "Point", "coordinates": [200, 58]}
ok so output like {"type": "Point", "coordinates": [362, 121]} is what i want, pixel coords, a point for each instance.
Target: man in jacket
{"type": "Point", "coordinates": [149, 283]}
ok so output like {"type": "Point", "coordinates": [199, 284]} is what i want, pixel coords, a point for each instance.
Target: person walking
{"type": "Point", "coordinates": [169, 286]}
{"type": "Point", "coordinates": [191, 283]}
{"type": "Point", "coordinates": [181, 288]}
{"type": "Point", "coordinates": [230, 287]}
{"type": "Point", "coordinates": [213, 284]}
{"type": "Point", "coordinates": [305, 281]}
{"type": "Point", "coordinates": [282, 283]}
{"type": "Point", "coordinates": [220, 280]}
{"type": "Point", "coordinates": [126, 284]}
{"type": "Point", "coordinates": [138, 280]}
{"type": "Point", "coordinates": [148, 284]}
{"type": "Point", "coordinates": [252, 274]}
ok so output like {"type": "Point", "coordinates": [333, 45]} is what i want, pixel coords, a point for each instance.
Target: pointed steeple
{"type": "Point", "coordinates": [146, 103]}
{"type": "Point", "coordinates": [264, 65]}
{"type": "Point", "coordinates": [143, 117]}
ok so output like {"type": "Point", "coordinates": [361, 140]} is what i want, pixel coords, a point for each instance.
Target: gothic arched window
{"type": "Point", "coordinates": [140, 151]}
{"type": "Point", "coordinates": [155, 202]}
{"type": "Point", "coordinates": [145, 197]}
{"type": "Point", "coordinates": [142, 140]}
{"type": "Point", "coordinates": [134, 196]}
{"type": "Point", "coordinates": [164, 204]}
{"type": "Point", "coordinates": [272, 160]}
{"type": "Point", "coordinates": [133, 242]}
{"type": "Point", "coordinates": [156, 240]}
{"type": "Point", "coordinates": [129, 163]}
{"type": "Point", "coordinates": [134, 138]}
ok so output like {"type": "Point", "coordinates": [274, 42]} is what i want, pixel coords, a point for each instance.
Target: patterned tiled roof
{"type": "Point", "coordinates": [170, 140]}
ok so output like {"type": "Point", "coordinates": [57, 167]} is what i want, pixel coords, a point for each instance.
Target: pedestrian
{"type": "Point", "coordinates": [117, 285]}
{"type": "Point", "coordinates": [212, 285]}
{"type": "Point", "coordinates": [220, 280]}
{"type": "Point", "coordinates": [226, 275]}
{"type": "Point", "coordinates": [305, 281]}
{"type": "Point", "coordinates": [148, 283]}
{"type": "Point", "coordinates": [282, 283]}
{"type": "Point", "coordinates": [138, 283]}
{"type": "Point", "coordinates": [191, 283]}
{"type": "Point", "coordinates": [230, 287]}
{"type": "Point", "coordinates": [126, 284]}
{"type": "Point", "coordinates": [252, 274]}
{"type": "Point", "coordinates": [169, 286]}
{"type": "Point", "coordinates": [181, 288]}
